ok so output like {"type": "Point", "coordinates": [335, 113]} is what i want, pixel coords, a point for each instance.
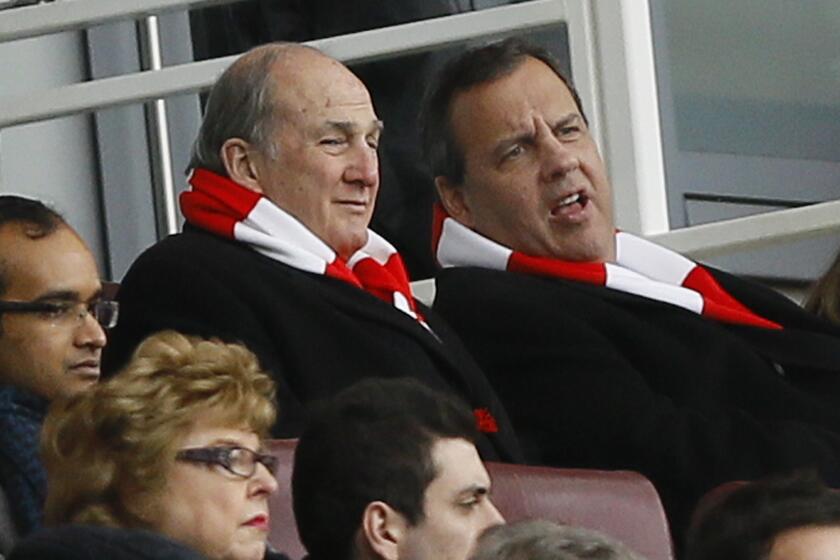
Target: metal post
{"type": "Point", "coordinates": [166, 209]}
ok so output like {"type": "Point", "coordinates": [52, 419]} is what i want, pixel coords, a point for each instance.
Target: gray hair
{"type": "Point", "coordinates": [544, 540]}
{"type": "Point", "coordinates": [241, 105]}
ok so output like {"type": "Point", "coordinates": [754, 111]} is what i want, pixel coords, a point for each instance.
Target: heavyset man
{"type": "Point", "coordinates": [51, 338]}
{"type": "Point", "coordinates": [609, 351]}
{"type": "Point", "coordinates": [388, 470]}
{"type": "Point", "coordinates": [276, 252]}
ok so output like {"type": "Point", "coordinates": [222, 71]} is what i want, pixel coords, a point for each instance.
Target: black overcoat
{"type": "Point", "coordinates": [598, 378]}
{"type": "Point", "coordinates": [314, 334]}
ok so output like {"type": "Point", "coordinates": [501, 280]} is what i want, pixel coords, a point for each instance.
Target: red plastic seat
{"type": "Point", "coordinates": [622, 504]}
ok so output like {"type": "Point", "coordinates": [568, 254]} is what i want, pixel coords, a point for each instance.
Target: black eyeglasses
{"type": "Point", "coordinates": [241, 461]}
{"type": "Point", "coordinates": [105, 312]}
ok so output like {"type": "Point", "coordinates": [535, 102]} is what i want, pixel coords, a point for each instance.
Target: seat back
{"type": "Point", "coordinates": [622, 504]}
{"type": "Point", "coordinates": [283, 534]}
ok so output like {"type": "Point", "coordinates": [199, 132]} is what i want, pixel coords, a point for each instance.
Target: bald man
{"type": "Point", "coordinates": [277, 252]}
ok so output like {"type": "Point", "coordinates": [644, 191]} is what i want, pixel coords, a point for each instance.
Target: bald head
{"type": "Point", "coordinates": [298, 127]}
{"type": "Point", "coordinates": [244, 100]}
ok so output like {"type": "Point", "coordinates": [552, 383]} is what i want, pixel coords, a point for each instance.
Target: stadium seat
{"type": "Point", "coordinates": [622, 504]}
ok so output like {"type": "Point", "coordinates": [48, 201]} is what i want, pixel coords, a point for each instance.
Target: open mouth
{"type": "Point", "coordinates": [571, 204]}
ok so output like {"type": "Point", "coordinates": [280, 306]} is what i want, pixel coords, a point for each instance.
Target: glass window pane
{"type": "Point", "coordinates": [755, 77]}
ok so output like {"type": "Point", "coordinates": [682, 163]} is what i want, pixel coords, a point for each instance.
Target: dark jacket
{"type": "Point", "coordinates": [315, 334]}
{"type": "Point", "coordinates": [598, 378]}
{"type": "Point", "coordinates": [88, 542]}
{"type": "Point", "coordinates": [22, 475]}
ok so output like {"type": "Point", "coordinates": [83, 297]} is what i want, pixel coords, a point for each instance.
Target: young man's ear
{"type": "Point", "coordinates": [239, 160]}
{"type": "Point", "coordinates": [454, 200]}
{"type": "Point", "coordinates": [383, 529]}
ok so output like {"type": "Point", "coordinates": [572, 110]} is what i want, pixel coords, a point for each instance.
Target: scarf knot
{"type": "Point", "coordinates": [221, 206]}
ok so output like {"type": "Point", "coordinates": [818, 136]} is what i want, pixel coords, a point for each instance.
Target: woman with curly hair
{"type": "Point", "coordinates": [170, 444]}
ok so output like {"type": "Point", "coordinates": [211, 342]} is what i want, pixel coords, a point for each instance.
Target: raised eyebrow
{"type": "Point", "coordinates": [566, 121]}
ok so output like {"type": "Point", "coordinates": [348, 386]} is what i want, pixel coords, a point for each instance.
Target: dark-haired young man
{"type": "Point", "coordinates": [790, 518]}
{"type": "Point", "coordinates": [388, 469]}
{"type": "Point", "coordinates": [51, 338]}
{"type": "Point", "coordinates": [607, 350]}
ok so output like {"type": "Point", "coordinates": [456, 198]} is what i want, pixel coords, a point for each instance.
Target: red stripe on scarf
{"type": "Point", "coordinates": [439, 216]}
{"type": "Point", "coordinates": [719, 305]}
{"type": "Point", "coordinates": [338, 269]}
{"type": "Point", "coordinates": [383, 280]}
{"type": "Point", "coordinates": [216, 203]}
{"type": "Point", "coordinates": [592, 273]}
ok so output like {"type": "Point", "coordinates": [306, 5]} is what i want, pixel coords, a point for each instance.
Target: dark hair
{"type": "Point", "coordinates": [824, 297]}
{"type": "Point", "coordinates": [371, 442]}
{"type": "Point", "coordinates": [39, 220]}
{"type": "Point", "coordinates": [472, 67]}
{"type": "Point", "coordinates": [743, 524]}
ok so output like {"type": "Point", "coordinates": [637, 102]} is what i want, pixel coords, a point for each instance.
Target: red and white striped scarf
{"type": "Point", "coordinates": [641, 268]}
{"type": "Point", "coordinates": [225, 208]}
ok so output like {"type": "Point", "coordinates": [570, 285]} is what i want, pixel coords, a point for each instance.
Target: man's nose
{"type": "Point", "coordinates": [90, 332]}
{"type": "Point", "coordinates": [494, 517]}
{"type": "Point", "coordinates": [363, 169]}
{"type": "Point", "coordinates": [557, 158]}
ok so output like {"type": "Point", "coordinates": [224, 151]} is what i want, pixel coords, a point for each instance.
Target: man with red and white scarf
{"type": "Point", "coordinates": [276, 252]}
{"type": "Point", "coordinates": [607, 350]}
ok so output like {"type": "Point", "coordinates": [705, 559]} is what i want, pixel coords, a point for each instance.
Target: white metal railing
{"type": "Point", "coordinates": [67, 15]}
{"type": "Point", "coordinates": [593, 27]}
{"type": "Point", "coordinates": [753, 232]}
{"type": "Point", "coordinates": [196, 76]}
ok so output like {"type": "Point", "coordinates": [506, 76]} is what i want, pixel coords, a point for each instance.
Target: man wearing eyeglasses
{"type": "Point", "coordinates": [51, 338]}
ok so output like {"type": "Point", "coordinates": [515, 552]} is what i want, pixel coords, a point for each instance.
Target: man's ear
{"type": "Point", "coordinates": [454, 200]}
{"type": "Point", "coordinates": [382, 531]}
{"type": "Point", "coordinates": [239, 160]}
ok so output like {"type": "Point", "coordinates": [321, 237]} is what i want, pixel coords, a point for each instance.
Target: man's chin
{"type": "Point", "coordinates": [77, 383]}
{"type": "Point", "coordinates": [351, 244]}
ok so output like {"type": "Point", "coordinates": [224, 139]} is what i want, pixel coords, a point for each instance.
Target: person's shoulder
{"type": "Point", "coordinates": [18, 403]}
{"type": "Point", "coordinates": [190, 243]}
{"type": "Point", "coordinates": [82, 542]}
{"type": "Point", "coordinates": [476, 282]}
{"type": "Point", "coordinates": [192, 253]}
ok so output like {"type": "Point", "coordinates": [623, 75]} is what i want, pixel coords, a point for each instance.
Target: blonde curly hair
{"type": "Point", "coordinates": [105, 450]}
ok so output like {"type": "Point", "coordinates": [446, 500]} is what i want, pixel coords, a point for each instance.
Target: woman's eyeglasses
{"type": "Point", "coordinates": [240, 461]}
